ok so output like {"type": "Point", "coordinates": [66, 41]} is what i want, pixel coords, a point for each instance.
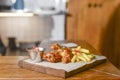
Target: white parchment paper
{"type": "Point", "coordinates": [67, 67]}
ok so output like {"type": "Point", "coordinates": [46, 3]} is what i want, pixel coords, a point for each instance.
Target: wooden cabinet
{"type": "Point", "coordinates": [94, 21]}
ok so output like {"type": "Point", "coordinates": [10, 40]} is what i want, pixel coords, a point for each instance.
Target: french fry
{"type": "Point", "coordinates": [79, 47]}
{"type": "Point", "coordinates": [78, 53]}
{"type": "Point", "coordinates": [85, 50]}
{"type": "Point", "coordinates": [73, 58]}
{"type": "Point", "coordinates": [82, 58]}
{"type": "Point", "coordinates": [77, 59]}
{"type": "Point", "coordinates": [81, 54]}
{"type": "Point", "coordinates": [86, 57]}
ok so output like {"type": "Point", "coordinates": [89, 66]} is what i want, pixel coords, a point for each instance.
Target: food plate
{"type": "Point", "coordinates": [60, 69]}
{"type": "Point", "coordinates": [63, 60]}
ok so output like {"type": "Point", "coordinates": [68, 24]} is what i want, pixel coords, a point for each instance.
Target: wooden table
{"type": "Point", "coordinates": [9, 70]}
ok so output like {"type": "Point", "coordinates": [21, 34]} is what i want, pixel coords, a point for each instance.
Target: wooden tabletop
{"type": "Point", "coordinates": [9, 70]}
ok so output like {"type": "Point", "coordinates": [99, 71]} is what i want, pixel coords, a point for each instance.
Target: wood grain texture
{"type": "Point", "coordinates": [58, 72]}
{"type": "Point", "coordinates": [97, 22]}
{"type": "Point", "coordinates": [9, 70]}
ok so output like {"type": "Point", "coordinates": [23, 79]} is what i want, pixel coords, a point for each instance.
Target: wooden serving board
{"type": "Point", "coordinates": [60, 69]}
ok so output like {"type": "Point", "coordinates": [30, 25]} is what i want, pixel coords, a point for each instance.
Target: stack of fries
{"type": "Point", "coordinates": [81, 54]}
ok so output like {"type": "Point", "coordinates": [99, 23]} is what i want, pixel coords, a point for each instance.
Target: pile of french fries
{"type": "Point", "coordinates": [81, 54]}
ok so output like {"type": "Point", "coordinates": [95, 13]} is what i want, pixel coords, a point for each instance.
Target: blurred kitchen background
{"type": "Point", "coordinates": [26, 23]}
{"type": "Point", "coordinates": [29, 20]}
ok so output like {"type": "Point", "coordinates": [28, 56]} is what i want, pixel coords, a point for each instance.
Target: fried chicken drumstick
{"type": "Point", "coordinates": [58, 53]}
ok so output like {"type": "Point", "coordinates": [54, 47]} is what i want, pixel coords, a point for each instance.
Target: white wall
{"type": "Point", "coordinates": [59, 20]}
